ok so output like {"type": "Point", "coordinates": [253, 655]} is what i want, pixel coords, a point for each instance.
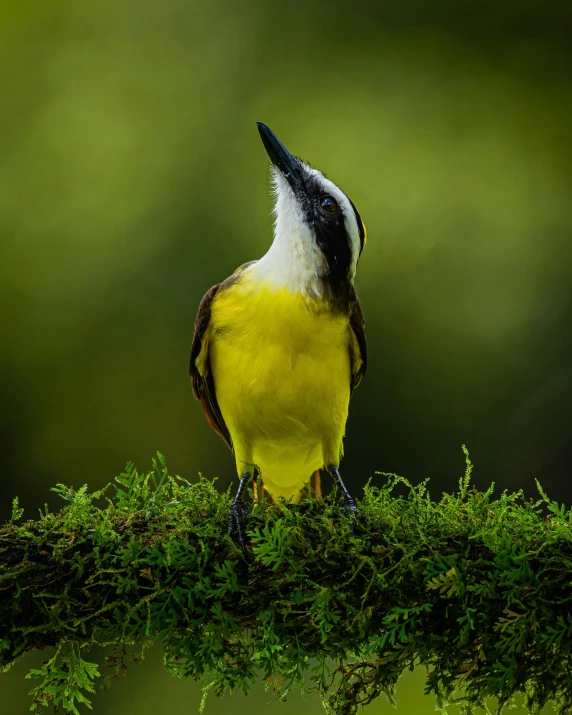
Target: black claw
{"type": "Point", "coordinates": [347, 503]}
{"type": "Point", "coordinates": [238, 513]}
{"type": "Point", "coordinates": [350, 506]}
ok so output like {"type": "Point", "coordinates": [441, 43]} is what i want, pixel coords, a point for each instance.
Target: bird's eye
{"type": "Point", "coordinates": [329, 204]}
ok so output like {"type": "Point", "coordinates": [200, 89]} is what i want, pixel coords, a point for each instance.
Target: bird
{"type": "Point", "coordinates": [280, 345]}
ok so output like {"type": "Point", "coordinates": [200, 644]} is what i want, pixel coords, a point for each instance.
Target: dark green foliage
{"type": "Point", "coordinates": [476, 589]}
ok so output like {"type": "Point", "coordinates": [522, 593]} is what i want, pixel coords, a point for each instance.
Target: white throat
{"type": "Point", "coordinates": [294, 260]}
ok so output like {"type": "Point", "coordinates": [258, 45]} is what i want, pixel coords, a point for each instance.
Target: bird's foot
{"type": "Point", "coordinates": [238, 513]}
{"type": "Point", "coordinates": [349, 504]}
{"type": "Point", "coordinates": [358, 517]}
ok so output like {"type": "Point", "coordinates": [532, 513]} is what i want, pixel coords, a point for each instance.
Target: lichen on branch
{"type": "Point", "coordinates": [477, 589]}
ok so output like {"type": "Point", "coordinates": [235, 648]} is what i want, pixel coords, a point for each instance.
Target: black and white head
{"type": "Point", "coordinates": [318, 233]}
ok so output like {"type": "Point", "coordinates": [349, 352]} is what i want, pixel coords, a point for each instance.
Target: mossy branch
{"type": "Point", "coordinates": [476, 589]}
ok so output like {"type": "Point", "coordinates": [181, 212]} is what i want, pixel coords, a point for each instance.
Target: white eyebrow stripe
{"type": "Point", "coordinates": [349, 215]}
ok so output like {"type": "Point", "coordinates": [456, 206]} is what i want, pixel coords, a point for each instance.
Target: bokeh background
{"type": "Point", "coordinates": [132, 179]}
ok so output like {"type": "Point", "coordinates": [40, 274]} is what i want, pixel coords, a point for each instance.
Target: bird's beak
{"type": "Point", "coordinates": [289, 165]}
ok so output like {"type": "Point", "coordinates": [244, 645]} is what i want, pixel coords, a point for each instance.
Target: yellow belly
{"type": "Point", "coordinates": [281, 369]}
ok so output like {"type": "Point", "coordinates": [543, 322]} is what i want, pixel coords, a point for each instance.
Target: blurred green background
{"type": "Point", "coordinates": [132, 178]}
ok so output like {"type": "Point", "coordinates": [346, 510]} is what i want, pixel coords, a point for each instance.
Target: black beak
{"type": "Point", "coordinates": [288, 164]}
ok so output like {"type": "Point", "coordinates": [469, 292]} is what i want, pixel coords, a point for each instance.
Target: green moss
{"type": "Point", "coordinates": [474, 588]}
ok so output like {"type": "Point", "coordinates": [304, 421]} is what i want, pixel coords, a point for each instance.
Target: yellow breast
{"type": "Point", "coordinates": [281, 369]}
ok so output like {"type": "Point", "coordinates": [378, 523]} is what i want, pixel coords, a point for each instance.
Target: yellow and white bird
{"type": "Point", "coordinates": [280, 345]}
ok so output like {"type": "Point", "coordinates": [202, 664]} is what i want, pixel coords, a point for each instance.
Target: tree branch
{"type": "Point", "coordinates": [476, 589]}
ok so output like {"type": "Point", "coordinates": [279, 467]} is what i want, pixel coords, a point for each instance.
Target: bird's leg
{"type": "Point", "coordinates": [239, 511]}
{"type": "Point", "coordinates": [348, 502]}
{"type": "Point", "coordinates": [257, 487]}
{"type": "Point", "coordinates": [316, 484]}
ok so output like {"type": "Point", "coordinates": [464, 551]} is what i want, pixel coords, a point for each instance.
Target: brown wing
{"type": "Point", "coordinates": [200, 369]}
{"type": "Point", "coordinates": [358, 346]}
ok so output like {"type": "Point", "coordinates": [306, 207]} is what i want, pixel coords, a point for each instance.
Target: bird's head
{"type": "Point", "coordinates": [318, 231]}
